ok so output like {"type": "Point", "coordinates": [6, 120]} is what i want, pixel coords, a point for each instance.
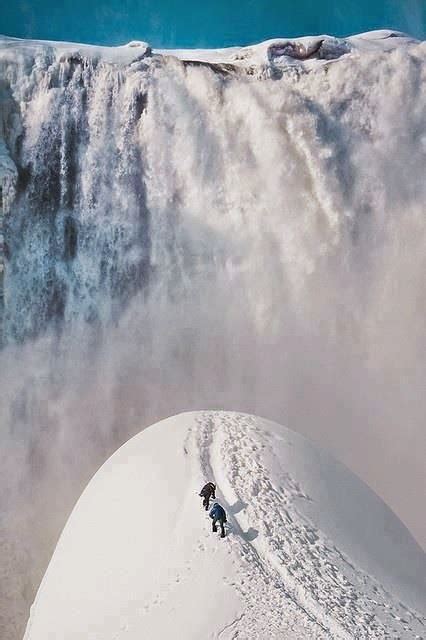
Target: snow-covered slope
{"type": "Point", "coordinates": [311, 552]}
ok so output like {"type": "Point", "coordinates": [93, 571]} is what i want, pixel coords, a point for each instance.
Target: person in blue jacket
{"type": "Point", "coordinates": [218, 515]}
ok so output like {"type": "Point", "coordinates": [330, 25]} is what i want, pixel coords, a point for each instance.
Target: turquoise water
{"type": "Point", "coordinates": [201, 23]}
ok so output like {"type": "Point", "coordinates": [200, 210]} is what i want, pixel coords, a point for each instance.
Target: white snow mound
{"type": "Point", "coordinates": [310, 551]}
{"type": "Point", "coordinates": [306, 51]}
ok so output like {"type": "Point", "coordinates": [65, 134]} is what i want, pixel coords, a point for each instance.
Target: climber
{"type": "Point", "coordinates": [218, 515]}
{"type": "Point", "coordinates": [207, 492]}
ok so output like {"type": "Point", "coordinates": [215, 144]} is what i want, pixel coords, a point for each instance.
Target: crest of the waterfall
{"type": "Point", "coordinates": [241, 229]}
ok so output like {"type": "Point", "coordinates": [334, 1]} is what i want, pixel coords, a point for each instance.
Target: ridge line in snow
{"type": "Point", "coordinates": [206, 445]}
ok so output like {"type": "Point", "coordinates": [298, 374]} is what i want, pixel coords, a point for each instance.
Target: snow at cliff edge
{"type": "Point", "coordinates": [310, 551]}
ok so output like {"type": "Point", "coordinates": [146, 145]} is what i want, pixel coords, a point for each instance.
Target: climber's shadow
{"type": "Point", "coordinates": [238, 506]}
{"type": "Point", "coordinates": [250, 535]}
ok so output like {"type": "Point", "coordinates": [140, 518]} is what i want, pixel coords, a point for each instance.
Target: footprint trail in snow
{"type": "Point", "coordinates": [290, 565]}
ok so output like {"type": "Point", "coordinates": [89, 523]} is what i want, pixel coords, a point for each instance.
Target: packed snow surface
{"type": "Point", "coordinates": [310, 551]}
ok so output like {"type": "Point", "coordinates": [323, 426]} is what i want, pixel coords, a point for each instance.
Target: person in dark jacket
{"type": "Point", "coordinates": [218, 515]}
{"type": "Point", "coordinates": [207, 492]}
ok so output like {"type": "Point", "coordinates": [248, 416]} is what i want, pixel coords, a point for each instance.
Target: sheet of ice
{"type": "Point", "coordinates": [310, 551]}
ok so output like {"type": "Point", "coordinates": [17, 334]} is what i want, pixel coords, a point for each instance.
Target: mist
{"type": "Point", "coordinates": [181, 240]}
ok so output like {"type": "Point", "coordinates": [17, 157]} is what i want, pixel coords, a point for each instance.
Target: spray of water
{"type": "Point", "coordinates": [180, 240]}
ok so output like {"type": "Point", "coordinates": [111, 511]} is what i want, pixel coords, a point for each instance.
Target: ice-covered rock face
{"type": "Point", "coordinates": [109, 154]}
{"type": "Point", "coordinates": [310, 551]}
{"type": "Point", "coordinates": [241, 228]}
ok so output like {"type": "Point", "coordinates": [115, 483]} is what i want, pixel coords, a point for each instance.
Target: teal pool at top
{"type": "Point", "coordinates": [204, 23]}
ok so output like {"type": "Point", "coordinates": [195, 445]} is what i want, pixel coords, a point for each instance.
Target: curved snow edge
{"type": "Point", "coordinates": [274, 52]}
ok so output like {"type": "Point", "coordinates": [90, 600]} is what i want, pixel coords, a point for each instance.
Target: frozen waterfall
{"type": "Point", "coordinates": [238, 229]}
